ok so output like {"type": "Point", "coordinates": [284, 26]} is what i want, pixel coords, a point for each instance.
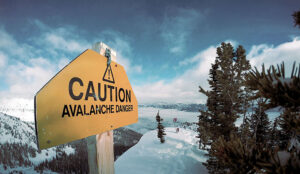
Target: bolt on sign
{"type": "Point", "coordinates": [85, 98]}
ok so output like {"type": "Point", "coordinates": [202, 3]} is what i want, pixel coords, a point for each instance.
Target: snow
{"type": "Point", "coordinates": [69, 150]}
{"type": "Point", "coordinates": [49, 154]}
{"type": "Point", "coordinates": [168, 114]}
{"type": "Point", "coordinates": [46, 154]}
{"type": "Point", "coordinates": [24, 109]}
{"type": "Point", "coordinates": [179, 154]}
{"type": "Point", "coordinates": [13, 130]}
{"type": "Point", "coordinates": [147, 119]}
{"type": "Point", "coordinates": [271, 115]}
{"type": "Point", "coordinates": [25, 170]}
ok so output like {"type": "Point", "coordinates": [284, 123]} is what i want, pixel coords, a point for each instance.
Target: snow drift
{"type": "Point", "coordinates": [179, 154]}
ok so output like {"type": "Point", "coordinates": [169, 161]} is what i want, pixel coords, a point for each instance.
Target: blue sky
{"type": "Point", "coordinates": [165, 46]}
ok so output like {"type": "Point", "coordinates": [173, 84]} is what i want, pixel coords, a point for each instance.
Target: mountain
{"type": "Point", "coordinates": [178, 106]}
{"type": "Point", "coordinates": [194, 107]}
{"type": "Point", "coordinates": [179, 154]}
{"type": "Point", "coordinates": [18, 149]}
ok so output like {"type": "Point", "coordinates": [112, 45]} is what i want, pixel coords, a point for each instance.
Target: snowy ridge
{"type": "Point", "coordinates": [13, 130]}
{"type": "Point", "coordinates": [18, 149]}
{"type": "Point", "coordinates": [20, 136]}
{"type": "Point", "coordinates": [179, 106]}
{"type": "Point", "coordinates": [179, 154]}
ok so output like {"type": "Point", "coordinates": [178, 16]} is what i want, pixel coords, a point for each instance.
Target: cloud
{"type": "Point", "coordinates": [199, 57]}
{"type": "Point", "coordinates": [59, 42]}
{"type": "Point", "coordinates": [63, 62]}
{"type": "Point", "coordinates": [9, 46]}
{"type": "Point", "coordinates": [137, 69]}
{"type": "Point", "coordinates": [175, 30]}
{"type": "Point", "coordinates": [121, 44]}
{"type": "Point", "coordinates": [273, 55]}
{"type": "Point", "coordinates": [3, 59]}
{"type": "Point", "coordinates": [56, 41]}
{"type": "Point", "coordinates": [6, 41]}
{"type": "Point", "coordinates": [26, 68]}
{"type": "Point", "coordinates": [24, 73]}
{"type": "Point", "coordinates": [184, 88]}
{"type": "Point", "coordinates": [24, 80]}
{"type": "Point", "coordinates": [65, 40]}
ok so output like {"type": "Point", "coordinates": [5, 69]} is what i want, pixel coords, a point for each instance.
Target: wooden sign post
{"type": "Point", "coordinates": [101, 146]}
{"type": "Point", "coordinates": [89, 96]}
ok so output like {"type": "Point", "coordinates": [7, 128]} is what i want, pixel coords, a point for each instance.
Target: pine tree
{"type": "Point", "coordinates": [296, 16]}
{"type": "Point", "coordinates": [242, 68]}
{"type": "Point", "coordinates": [260, 125]}
{"type": "Point", "coordinates": [255, 154]}
{"type": "Point", "coordinates": [252, 154]}
{"type": "Point", "coordinates": [226, 100]}
{"type": "Point", "coordinates": [208, 119]}
{"type": "Point", "coordinates": [280, 91]}
{"type": "Point", "coordinates": [227, 114]}
{"type": "Point", "coordinates": [245, 132]}
{"type": "Point", "coordinates": [203, 129]}
{"type": "Point", "coordinates": [274, 135]}
{"type": "Point", "coordinates": [285, 92]}
{"type": "Point", "coordinates": [161, 129]}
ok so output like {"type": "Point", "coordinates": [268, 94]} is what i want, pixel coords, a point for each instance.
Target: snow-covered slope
{"type": "Point", "coordinates": [18, 144]}
{"type": "Point", "coordinates": [13, 130]}
{"type": "Point", "coordinates": [179, 154]}
{"type": "Point", "coordinates": [18, 149]}
{"type": "Point", "coordinates": [147, 120]}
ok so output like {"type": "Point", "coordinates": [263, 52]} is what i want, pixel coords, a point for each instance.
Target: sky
{"type": "Point", "coordinates": [166, 47]}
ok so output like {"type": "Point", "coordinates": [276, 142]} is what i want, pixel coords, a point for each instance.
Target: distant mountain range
{"type": "Point", "coordinates": [194, 107]}
{"type": "Point", "coordinates": [18, 149]}
{"type": "Point", "coordinates": [25, 110]}
{"type": "Point", "coordinates": [178, 106]}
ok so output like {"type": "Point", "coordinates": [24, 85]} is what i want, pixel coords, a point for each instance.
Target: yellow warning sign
{"type": "Point", "coordinates": [85, 98]}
